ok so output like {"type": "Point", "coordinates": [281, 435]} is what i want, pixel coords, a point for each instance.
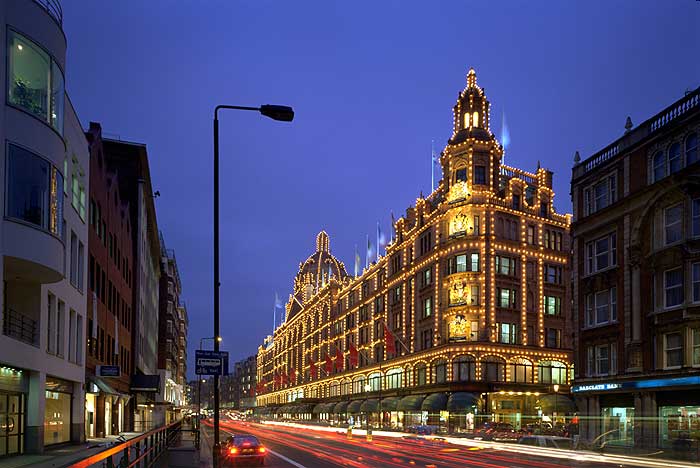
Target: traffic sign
{"type": "Point", "coordinates": [211, 362]}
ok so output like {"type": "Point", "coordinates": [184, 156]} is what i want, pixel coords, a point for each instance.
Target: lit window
{"type": "Point", "coordinates": [673, 286]}
{"type": "Point", "coordinates": [474, 262]}
{"type": "Point", "coordinates": [673, 227]}
{"type": "Point", "coordinates": [475, 119]}
{"type": "Point", "coordinates": [552, 305]}
{"type": "Point", "coordinates": [427, 307]}
{"type": "Point", "coordinates": [674, 158]}
{"type": "Point", "coordinates": [659, 166]}
{"type": "Point", "coordinates": [691, 149]}
{"type": "Point", "coordinates": [466, 120]}
{"type": "Point", "coordinates": [673, 349]}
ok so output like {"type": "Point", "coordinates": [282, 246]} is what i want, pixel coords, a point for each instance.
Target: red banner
{"type": "Point", "coordinates": [329, 365]}
{"type": "Point", "coordinates": [313, 370]}
{"type": "Point", "coordinates": [389, 344]}
{"type": "Point", "coordinates": [339, 359]}
{"type": "Point", "coordinates": [354, 355]}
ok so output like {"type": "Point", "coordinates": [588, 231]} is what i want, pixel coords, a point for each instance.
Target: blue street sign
{"type": "Point", "coordinates": [211, 362]}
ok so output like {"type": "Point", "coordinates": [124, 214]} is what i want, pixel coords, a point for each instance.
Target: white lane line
{"type": "Point", "coordinates": [288, 460]}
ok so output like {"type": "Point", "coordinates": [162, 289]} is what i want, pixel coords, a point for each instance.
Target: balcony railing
{"type": "Point", "coordinates": [53, 8]}
{"type": "Point", "coordinates": [20, 327]}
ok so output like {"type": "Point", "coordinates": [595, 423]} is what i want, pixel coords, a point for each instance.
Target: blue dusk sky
{"type": "Point", "coordinates": [372, 83]}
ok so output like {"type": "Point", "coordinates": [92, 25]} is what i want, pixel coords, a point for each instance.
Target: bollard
{"type": "Point", "coordinates": [369, 433]}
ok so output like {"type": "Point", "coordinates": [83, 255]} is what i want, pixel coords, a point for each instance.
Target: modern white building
{"type": "Point", "coordinates": [44, 171]}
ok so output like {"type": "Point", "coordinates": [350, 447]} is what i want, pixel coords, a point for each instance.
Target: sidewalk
{"type": "Point", "coordinates": [64, 455]}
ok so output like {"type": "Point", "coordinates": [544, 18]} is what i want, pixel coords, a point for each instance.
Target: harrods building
{"type": "Point", "coordinates": [465, 317]}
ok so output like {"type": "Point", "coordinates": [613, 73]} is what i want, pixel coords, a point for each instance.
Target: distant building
{"type": "Point", "coordinates": [466, 317]}
{"type": "Point", "coordinates": [44, 170]}
{"type": "Point", "coordinates": [636, 297]}
{"type": "Point", "coordinates": [245, 375]}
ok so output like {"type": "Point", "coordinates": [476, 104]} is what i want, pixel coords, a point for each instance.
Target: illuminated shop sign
{"type": "Point", "coordinates": [637, 384]}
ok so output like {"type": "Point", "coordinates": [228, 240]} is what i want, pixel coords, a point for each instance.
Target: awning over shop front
{"type": "Point", "coordinates": [410, 403]}
{"type": "Point", "coordinates": [101, 386]}
{"type": "Point", "coordinates": [435, 402]}
{"type": "Point", "coordinates": [304, 408]}
{"type": "Point", "coordinates": [285, 409]}
{"type": "Point", "coordinates": [558, 403]}
{"type": "Point", "coordinates": [340, 407]}
{"type": "Point", "coordinates": [354, 407]}
{"type": "Point", "coordinates": [390, 403]}
{"type": "Point", "coordinates": [462, 401]}
{"type": "Point", "coordinates": [145, 383]}
{"type": "Point", "coordinates": [371, 406]}
{"type": "Point", "coordinates": [323, 408]}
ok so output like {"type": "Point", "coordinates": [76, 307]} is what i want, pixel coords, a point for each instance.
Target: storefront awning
{"type": "Point", "coordinates": [462, 401]}
{"type": "Point", "coordinates": [371, 406]}
{"type": "Point", "coordinates": [102, 386]}
{"type": "Point", "coordinates": [354, 407]}
{"type": "Point", "coordinates": [390, 403]}
{"type": "Point", "coordinates": [435, 402]}
{"type": "Point", "coordinates": [558, 403]}
{"type": "Point", "coordinates": [340, 408]}
{"type": "Point", "coordinates": [410, 403]}
{"type": "Point", "coordinates": [145, 383]}
{"type": "Point", "coordinates": [304, 408]}
{"type": "Point", "coordinates": [323, 408]}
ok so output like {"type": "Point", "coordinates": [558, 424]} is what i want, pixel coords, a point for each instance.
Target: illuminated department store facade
{"type": "Point", "coordinates": [473, 288]}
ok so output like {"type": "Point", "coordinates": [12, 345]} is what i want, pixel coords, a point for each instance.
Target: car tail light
{"type": "Point", "coordinates": [233, 450]}
{"type": "Point", "coordinates": [261, 449]}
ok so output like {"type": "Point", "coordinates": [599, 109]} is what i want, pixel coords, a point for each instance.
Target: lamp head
{"type": "Point", "coordinates": [556, 388]}
{"type": "Point", "coordinates": [275, 112]}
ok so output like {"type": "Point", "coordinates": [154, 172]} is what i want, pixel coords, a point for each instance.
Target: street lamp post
{"type": "Point", "coordinates": [282, 113]}
{"type": "Point", "coordinates": [556, 397]}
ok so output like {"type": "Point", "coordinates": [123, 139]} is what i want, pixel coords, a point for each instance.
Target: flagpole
{"type": "Point", "coordinates": [378, 242]}
{"type": "Point", "coordinates": [432, 166]}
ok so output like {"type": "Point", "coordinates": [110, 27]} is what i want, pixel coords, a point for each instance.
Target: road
{"type": "Point", "coordinates": [306, 448]}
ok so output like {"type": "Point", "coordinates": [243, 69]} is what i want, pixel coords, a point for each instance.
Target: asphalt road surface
{"type": "Point", "coordinates": [305, 448]}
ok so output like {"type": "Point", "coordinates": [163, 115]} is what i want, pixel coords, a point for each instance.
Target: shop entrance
{"type": "Point", "coordinates": [11, 424]}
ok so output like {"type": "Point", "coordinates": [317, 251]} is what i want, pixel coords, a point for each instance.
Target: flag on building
{"type": "Point", "coordinates": [369, 252]}
{"type": "Point", "coordinates": [339, 359]}
{"type": "Point", "coordinates": [357, 262]}
{"type": "Point", "coordinates": [292, 375]}
{"type": "Point", "coordinates": [381, 240]}
{"type": "Point", "coordinates": [354, 355]}
{"type": "Point", "coordinates": [389, 343]}
{"type": "Point", "coordinates": [329, 365]}
{"type": "Point", "coordinates": [313, 370]}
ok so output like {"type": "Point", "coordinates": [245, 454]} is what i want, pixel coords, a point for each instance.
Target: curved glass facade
{"type": "Point", "coordinates": [34, 190]}
{"type": "Point", "coordinates": [35, 82]}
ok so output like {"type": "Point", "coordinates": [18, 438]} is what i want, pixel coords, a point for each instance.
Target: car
{"type": "Point", "coordinates": [546, 441]}
{"type": "Point", "coordinates": [243, 448]}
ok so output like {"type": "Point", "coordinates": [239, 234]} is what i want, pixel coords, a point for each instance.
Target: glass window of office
{"type": "Point", "coordinates": [57, 418]}
{"type": "Point", "coordinates": [673, 350]}
{"type": "Point", "coordinates": [618, 426]}
{"type": "Point", "coordinates": [36, 82]}
{"type": "Point", "coordinates": [11, 424]}
{"type": "Point", "coordinates": [673, 223]}
{"type": "Point", "coordinates": [673, 287]}
{"type": "Point", "coordinates": [679, 426]}
{"type": "Point", "coordinates": [34, 190]}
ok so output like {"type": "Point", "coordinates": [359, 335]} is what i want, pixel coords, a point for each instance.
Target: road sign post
{"type": "Point", "coordinates": [211, 362]}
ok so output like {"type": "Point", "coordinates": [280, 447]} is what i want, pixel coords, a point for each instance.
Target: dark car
{"type": "Point", "coordinates": [243, 448]}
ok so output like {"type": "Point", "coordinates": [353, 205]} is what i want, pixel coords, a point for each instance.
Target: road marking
{"type": "Point", "coordinates": [288, 460]}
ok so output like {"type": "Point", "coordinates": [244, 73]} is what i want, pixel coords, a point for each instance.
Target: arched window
{"type": "Point", "coordinates": [374, 381]}
{"type": "Point", "coordinates": [674, 158]}
{"type": "Point", "coordinates": [394, 378]}
{"type": "Point", "coordinates": [552, 372]}
{"type": "Point", "coordinates": [521, 371]}
{"type": "Point", "coordinates": [494, 369]}
{"type": "Point", "coordinates": [439, 371]}
{"type": "Point", "coordinates": [659, 166]}
{"type": "Point", "coordinates": [420, 374]}
{"type": "Point", "coordinates": [475, 119]}
{"type": "Point", "coordinates": [461, 175]}
{"type": "Point", "coordinates": [358, 384]}
{"type": "Point", "coordinates": [464, 369]}
{"type": "Point", "coordinates": [466, 120]}
{"type": "Point", "coordinates": [335, 389]}
{"type": "Point", "coordinates": [346, 387]}
{"type": "Point", "coordinates": [691, 149]}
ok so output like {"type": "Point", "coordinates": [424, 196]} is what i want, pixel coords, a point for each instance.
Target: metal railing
{"type": "Point", "coordinates": [20, 327]}
{"type": "Point", "coordinates": [53, 8]}
{"type": "Point", "coordinates": [140, 452]}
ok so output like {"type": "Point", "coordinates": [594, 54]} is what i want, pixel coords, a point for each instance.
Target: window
{"type": "Point", "coordinates": [71, 335]}
{"type": "Point", "coordinates": [673, 287]}
{"type": "Point", "coordinates": [34, 190]}
{"type": "Point", "coordinates": [521, 370]}
{"type": "Point", "coordinates": [553, 338]}
{"type": "Point", "coordinates": [461, 175]}
{"type": "Point", "coordinates": [601, 253]}
{"type": "Point", "coordinates": [475, 119]}
{"type": "Point", "coordinates": [552, 372]}
{"type": "Point", "coordinates": [421, 374]}
{"type": "Point", "coordinates": [544, 209]}
{"type": "Point", "coordinates": [464, 369]}
{"type": "Point", "coordinates": [51, 324]}
{"type": "Point", "coordinates": [552, 305]}
{"type": "Point", "coordinates": [60, 327]}
{"type": "Point", "coordinates": [674, 158]}
{"type": "Point", "coordinates": [36, 81]}
{"type": "Point", "coordinates": [673, 225]}
{"type": "Point", "coordinates": [396, 295]}
{"type": "Point", "coordinates": [601, 195]}
{"type": "Point", "coordinates": [81, 266]}
{"type": "Point", "coordinates": [602, 359]}
{"type": "Point", "coordinates": [440, 371]}
{"type": "Point", "coordinates": [505, 265]}
{"type": "Point", "coordinates": [508, 333]}
{"type": "Point", "coordinates": [506, 298]}
{"type": "Point", "coordinates": [494, 369]}
{"type": "Point", "coordinates": [695, 218]}
{"type": "Point", "coordinates": [474, 294]}
{"type": "Point", "coordinates": [462, 263]}
{"type": "Point", "coordinates": [601, 307]}
{"type": "Point", "coordinates": [691, 149]}
{"type": "Point", "coordinates": [553, 274]}
{"type": "Point", "coordinates": [516, 201]}
{"type": "Point", "coordinates": [695, 335]}
{"type": "Point", "coordinates": [426, 242]}
{"type": "Point", "coordinates": [379, 304]}
{"type": "Point", "coordinates": [531, 238]}
{"type": "Point", "coordinates": [425, 277]}
{"type": "Point", "coordinates": [73, 259]}
{"type": "Point", "coordinates": [673, 350]}
{"type": "Point", "coordinates": [427, 307]}
{"type": "Point", "coordinates": [659, 166]}
{"type": "Point", "coordinates": [480, 175]}
{"type": "Point", "coordinates": [79, 340]}
{"type": "Point", "coordinates": [695, 267]}
{"type": "Point", "coordinates": [427, 339]}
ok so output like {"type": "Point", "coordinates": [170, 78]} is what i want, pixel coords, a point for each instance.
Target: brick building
{"type": "Point", "coordinates": [636, 296]}
{"type": "Point", "coordinates": [472, 294]}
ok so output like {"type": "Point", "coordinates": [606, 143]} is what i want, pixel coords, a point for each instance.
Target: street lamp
{"type": "Point", "coordinates": [368, 388]}
{"type": "Point", "coordinates": [556, 397]}
{"type": "Point", "coordinates": [275, 112]}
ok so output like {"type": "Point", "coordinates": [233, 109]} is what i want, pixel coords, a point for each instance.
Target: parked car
{"type": "Point", "coordinates": [546, 441]}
